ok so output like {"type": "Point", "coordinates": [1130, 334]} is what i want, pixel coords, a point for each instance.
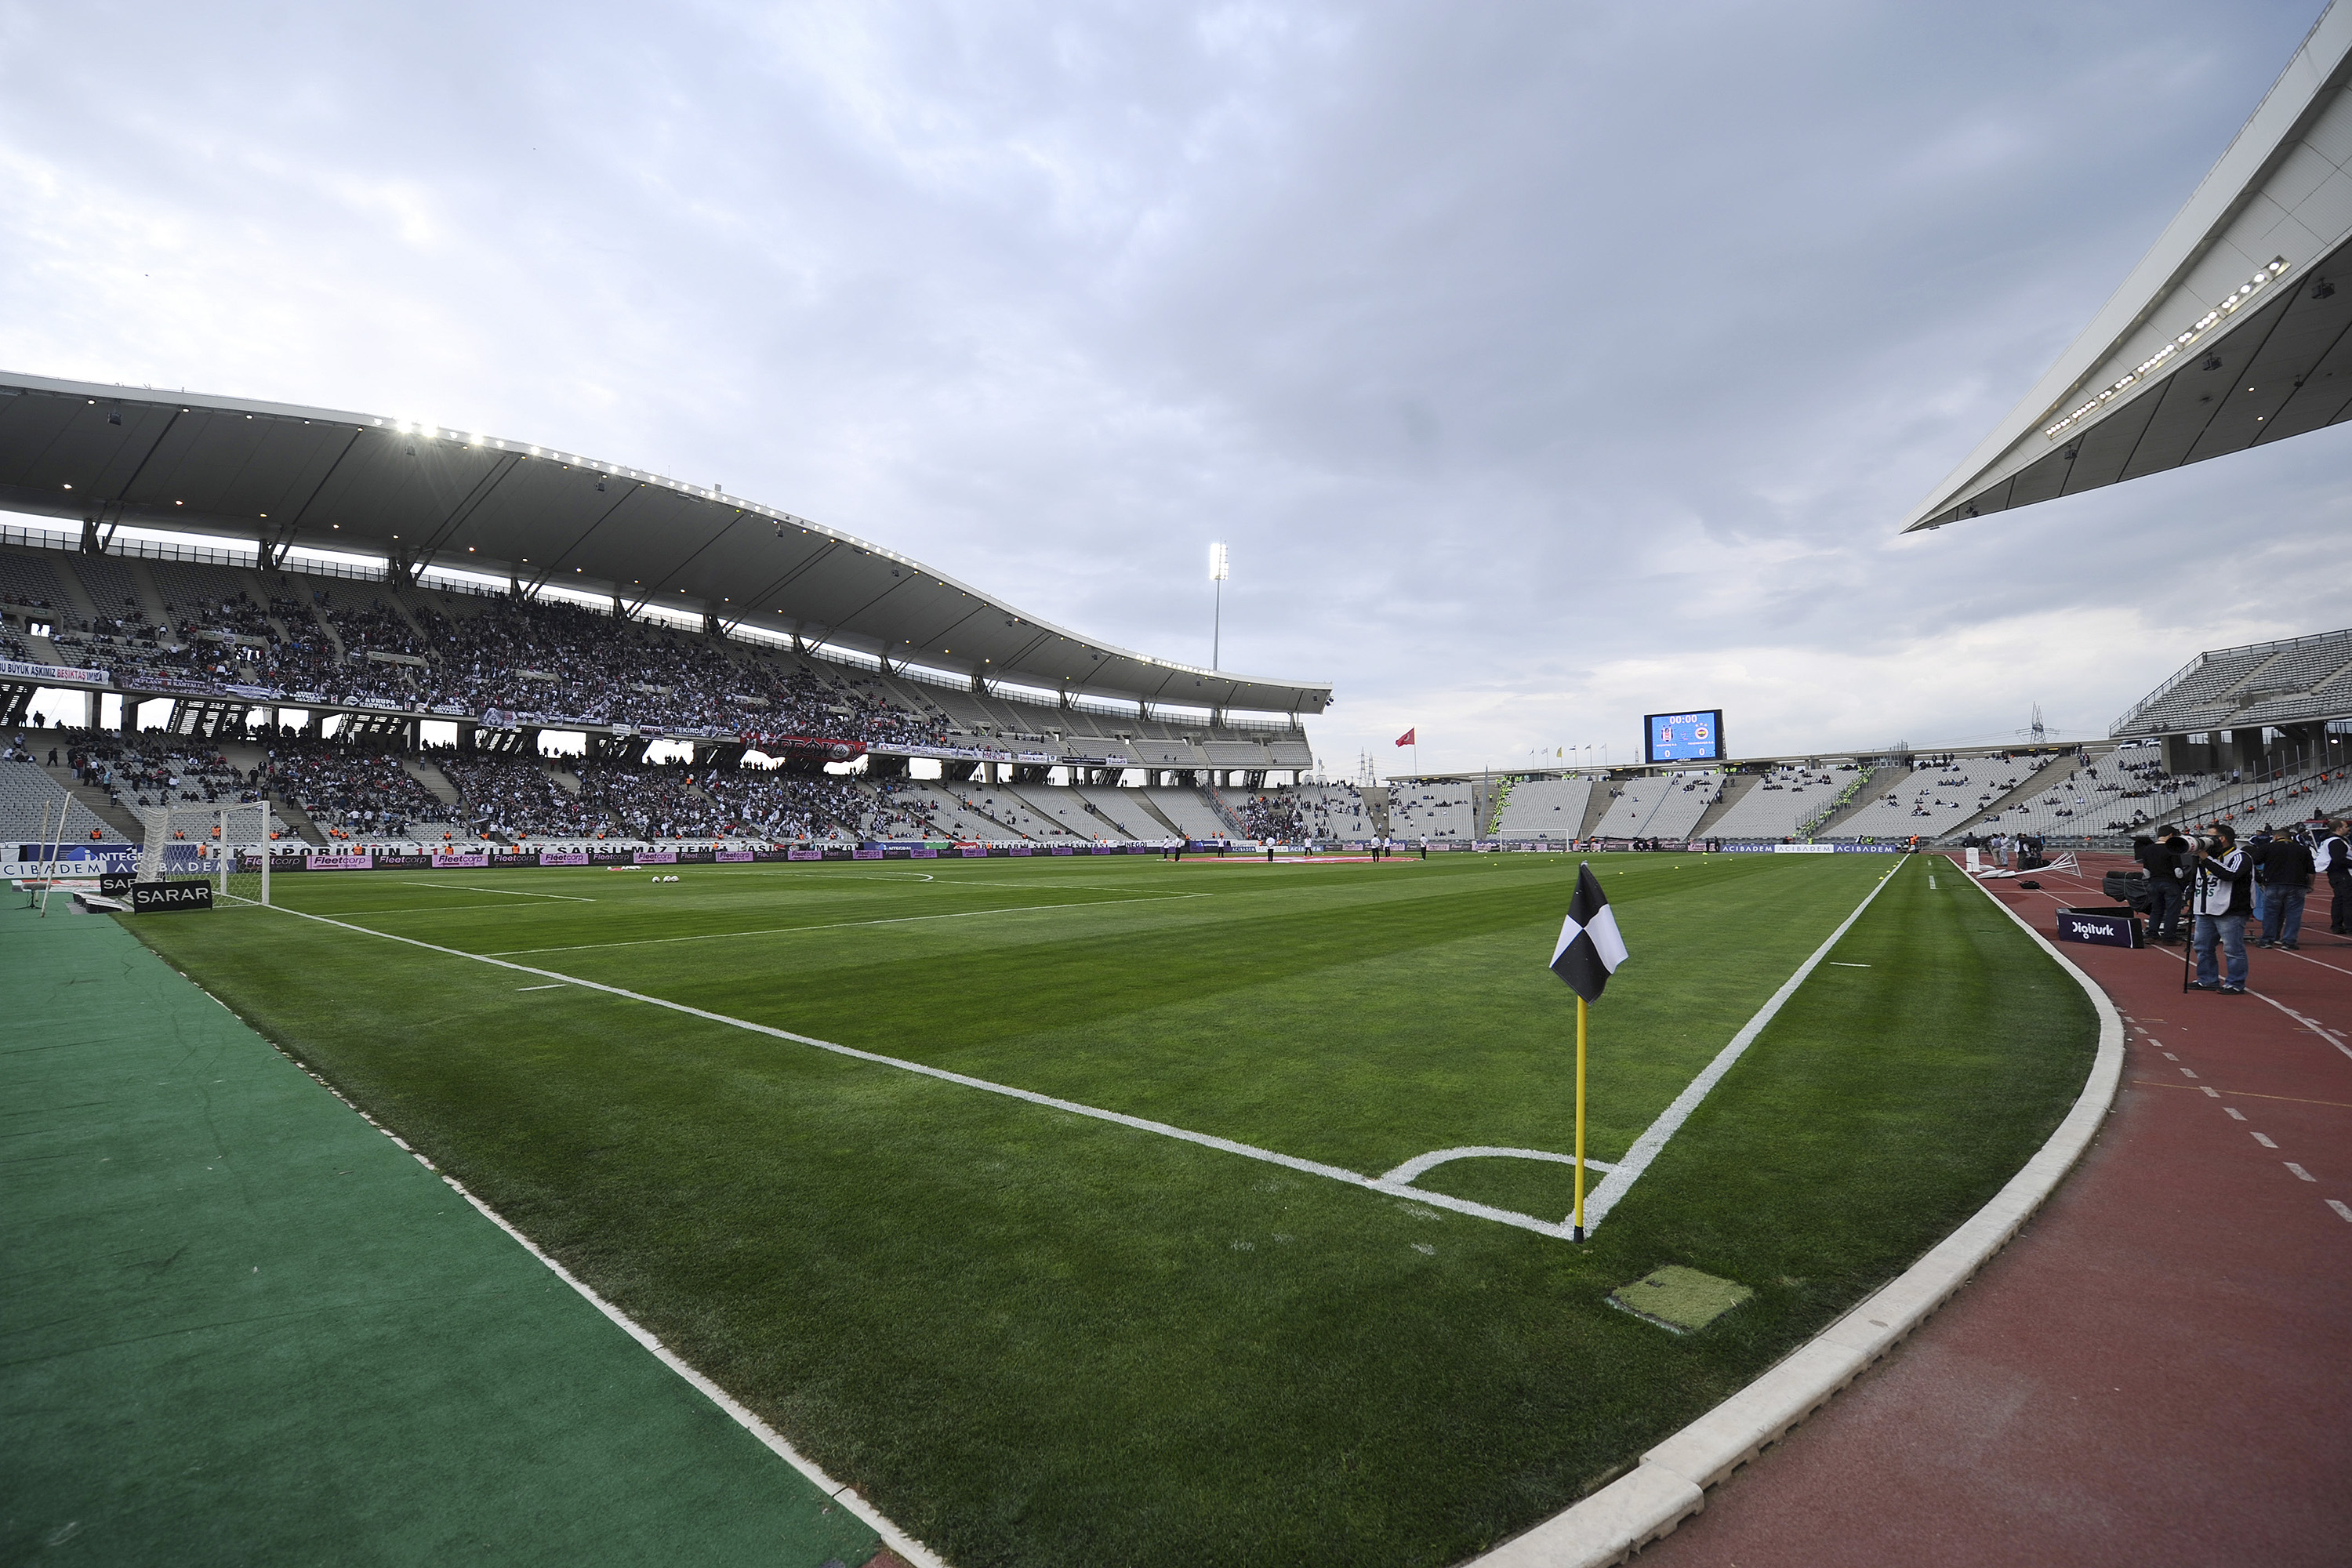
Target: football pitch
{"type": "Point", "coordinates": [1043, 1202]}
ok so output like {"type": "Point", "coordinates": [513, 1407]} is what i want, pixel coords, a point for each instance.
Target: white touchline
{"type": "Point", "coordinates": [838, 925]}
{"type": "Point", "coordinates": [508, 892]}
{"type": "Point", "coordinates": [1648, 1146]}
{"type": "Point", "coordinates": [557, 986]}
{"type": "Point", "coordinates": [1205, 1140]}
{"type": "Point", "coordinates": [1841, 963]}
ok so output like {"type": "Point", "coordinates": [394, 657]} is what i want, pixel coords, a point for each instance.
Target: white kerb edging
{"type": "Point", "coordinates": [1670, 1483]}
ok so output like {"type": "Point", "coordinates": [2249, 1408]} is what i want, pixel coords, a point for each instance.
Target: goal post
{"type": "Point", "coordinates": [226, 843]}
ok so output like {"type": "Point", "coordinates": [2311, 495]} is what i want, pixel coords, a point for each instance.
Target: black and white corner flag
{"type": "Point", "coordinates": [1589, 949]}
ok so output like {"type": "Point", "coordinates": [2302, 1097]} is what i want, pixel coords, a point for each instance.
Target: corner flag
{"type": "Point", "coordinates": [1589, 953]}
{"type": "Point", "coordinates": [1589, 949]}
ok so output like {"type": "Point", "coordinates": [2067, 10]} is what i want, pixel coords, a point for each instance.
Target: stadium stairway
{"type": "Point", "coordinates": [434, 778]}
{"type": "Point", "coordinates": [1376, 810]}
{"type": "Point", "coordinates": [2055, 772]}
{"type": "Point", "coordinates": [80, 600]}
{"type": "Point", "coordinates": [1874, 785]}
{"type": "Point", "coordinates": [292, 815]}
{"type": "Point", "coordinates": [1738, 785]}
{"type": "Point", "coordinates": [93, 797]}
{"type": "Point", "coordinates": [1216, 799]}
{"type": "Point", "coordinates": [1596, 808]}
{"type": "Point", "coordinates": [151, 597]}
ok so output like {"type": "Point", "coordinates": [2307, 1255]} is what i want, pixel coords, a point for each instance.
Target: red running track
{"type": "Point", "coordinates": [2158, 1368]}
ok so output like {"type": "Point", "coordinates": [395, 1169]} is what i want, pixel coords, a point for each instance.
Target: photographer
{"type": "Point", "coordinates": [2286, 867]}
{"type": "Point", "coordinates": [2167, 862]}
{"type": "Point", "coordinates": [2333, 858]}
{"type": "Point", "coordinates": [2222, 894]}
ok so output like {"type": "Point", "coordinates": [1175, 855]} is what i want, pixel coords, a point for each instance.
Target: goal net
{"type": "Point", "coordinates": [225, 844]}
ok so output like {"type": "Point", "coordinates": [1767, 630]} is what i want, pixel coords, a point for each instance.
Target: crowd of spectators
{"type": "Point", "coordinates": [151, 771]}
{"type": "Point", "coordinates": [519, 797]}
{"type": "Point", "coordinates": [776, 804]}
{"type": "Point", "coordinates": [357, 786]}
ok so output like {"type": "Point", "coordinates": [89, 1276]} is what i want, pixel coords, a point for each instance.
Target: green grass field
{"type": "Point", "coordinates": [1033, 1336]}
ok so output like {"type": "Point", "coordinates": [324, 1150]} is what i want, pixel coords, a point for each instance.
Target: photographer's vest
{"type": "Point", "coordinates": [2214, 894]}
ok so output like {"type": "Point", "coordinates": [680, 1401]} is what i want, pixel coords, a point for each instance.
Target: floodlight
{"type": "Point", "coordinates": [1220, 568]}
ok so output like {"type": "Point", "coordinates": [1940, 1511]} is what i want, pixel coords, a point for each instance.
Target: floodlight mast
{"type": "Point", "coordinates": [1220, 568]}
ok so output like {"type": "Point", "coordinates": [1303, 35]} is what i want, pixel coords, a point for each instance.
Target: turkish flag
{"type": "Point", "coordinates": [1406, 739]}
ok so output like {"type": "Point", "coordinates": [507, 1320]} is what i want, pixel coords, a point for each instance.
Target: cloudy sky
{"type": "Point", "coordinates": [1544, 364]}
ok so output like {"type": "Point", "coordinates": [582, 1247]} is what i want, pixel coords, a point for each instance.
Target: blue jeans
{"type": "Point", "coordinates": [2231, 931]}
{"type": "Point", "coordinates": [2282, 914]}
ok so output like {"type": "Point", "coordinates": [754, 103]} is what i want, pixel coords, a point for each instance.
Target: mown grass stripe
{"type": "Point", "coordinates": [1140, 1124]}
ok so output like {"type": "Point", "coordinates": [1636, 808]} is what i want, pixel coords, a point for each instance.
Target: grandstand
{"type": "Point", "coordinates": [2293, 684]}
{"type": "Point", "coordinates": [1545, 808]}
{"type": "Point", "coordinates": [1934, 798]}
{"type": "Point", "coordinates": [1666, 806]}
{"type": "Point", "coordinates": [1783, 802]}
{"type": "Point", "coordinates": [390, 675]}
{"type": "Point", "coordinates": [32, 802]}
{"type": "Point", "coordinates": [1433, 809]}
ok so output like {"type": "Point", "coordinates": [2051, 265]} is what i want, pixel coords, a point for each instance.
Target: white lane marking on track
{"type": "Point", "coordinates": [507, 892]}
{"type": "Point", "coordinates": [2299, 1171]}
{"type": "Point", "coordinates": [2313, 1024]}
{"type": "Point", "coordinates": [1420, 1163]}
{"type": "Point", "coordinates": [841, 925]}
{"type": "Point", "coordinates": [2233, 1113]}
{"type": "Point", "coordinates": [1646, 1148]}
{"type": "Point", "coordinates": [1205, 1140]}
{"type": "Point", "coordinates": [2211, 1093]}
{"type": "Point", "coordinates": [2186, 1073]}
{"type": "Point", "coordinates": [2262, 1140]}
{"type": "Point", "coordinates": [2308, 959]}
{"type": "Point", "coordinates": [2340, 1208]}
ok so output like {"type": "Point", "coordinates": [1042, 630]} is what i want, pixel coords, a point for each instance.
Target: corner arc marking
{"type": "Point", "coordinates": [1414, 1168]}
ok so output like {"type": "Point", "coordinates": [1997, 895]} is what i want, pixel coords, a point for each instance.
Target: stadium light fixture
{"type": "Point", "coordinates": [1220, 568]}
{"type": "Point", "coordinates": [2229, 307]}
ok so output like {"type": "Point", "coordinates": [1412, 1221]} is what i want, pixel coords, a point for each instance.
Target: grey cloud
{"type": "Point", "coordinates": [1543, 366]}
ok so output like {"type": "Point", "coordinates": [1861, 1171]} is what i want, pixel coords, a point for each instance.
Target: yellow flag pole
{"type": "Point", "coordinates": [1580, 1119]}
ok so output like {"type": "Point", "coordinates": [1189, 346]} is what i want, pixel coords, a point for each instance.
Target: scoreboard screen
{"type": "Point", "coordinates": [1684, 737]}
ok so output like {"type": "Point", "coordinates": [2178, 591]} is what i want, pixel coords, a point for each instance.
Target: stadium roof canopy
{"type": "Point", "coordinates": [272, 476]}
{"type": "Point", "coordinates": [2230, 333]}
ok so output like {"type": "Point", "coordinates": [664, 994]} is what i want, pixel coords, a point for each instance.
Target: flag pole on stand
{"type": "Point", "coordinates": [1589, 953]}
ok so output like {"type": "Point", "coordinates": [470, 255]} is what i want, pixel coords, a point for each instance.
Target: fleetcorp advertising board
{"type": "Point", "coordinates": [1684, 737]}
